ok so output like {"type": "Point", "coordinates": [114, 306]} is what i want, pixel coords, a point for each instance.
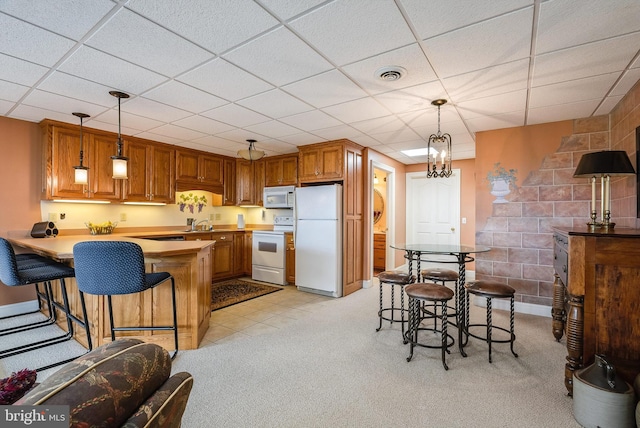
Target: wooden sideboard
{"type": "Point", "coordinates": [597, 298]}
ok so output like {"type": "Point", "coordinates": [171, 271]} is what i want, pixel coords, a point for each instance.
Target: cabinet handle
{"type": "Point", "coordinates": [317, 172]}
{"type": "Point", "coordinates": [223, 238]}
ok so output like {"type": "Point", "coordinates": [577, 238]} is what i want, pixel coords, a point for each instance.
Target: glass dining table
{"type": "Point", "coordinates": [432, 253]}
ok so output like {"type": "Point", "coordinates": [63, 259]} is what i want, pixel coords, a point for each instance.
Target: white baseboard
{"type": "Point", "coordinates": [18, 308]}
{"type": "Point", "coordinates": [367, 283]}
{"type": "Point", "coordinates": [519, 307]}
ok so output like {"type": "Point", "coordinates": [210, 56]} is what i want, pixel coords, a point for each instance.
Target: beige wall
{"type": "Point", "coordinates": [20, 176]}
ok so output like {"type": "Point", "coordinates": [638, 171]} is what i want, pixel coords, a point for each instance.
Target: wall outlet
{"type": "Point", "coordinates": [211, 217]}
{"type": "Point", "coordinates": [218, 217]}
{"type": "Point", "coordinates": [53, 216]}
{"type": "Point", "coordinates": [123, 216]}
{"type": "Point", "coordinates": [63, 216]}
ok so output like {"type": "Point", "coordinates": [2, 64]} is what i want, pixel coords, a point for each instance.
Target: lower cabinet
{"type": "Point", "coordinates": [379, 251]}
{"type": "Point", "coordinates": [246, 254]}
{"type": "Point", "coordinates": [290, 258]}
{"type": "Point", "coordinates": [228, 255]}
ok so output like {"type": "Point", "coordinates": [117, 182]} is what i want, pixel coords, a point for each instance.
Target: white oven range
{"type": "Point", "coordinates": [269, 254]}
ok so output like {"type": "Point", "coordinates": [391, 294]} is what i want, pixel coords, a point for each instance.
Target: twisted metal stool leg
{"type": "Point", "coordinates": [393, 303]}
{"type": "Point", "coordinates": [380, 311]}
{"type": "Point", "coordinates": [489, 325]}
{"type": "Point", "coordinates": [445, 349]}
{"type": "Point", "coordinates": [412, 329]}
{"type": "Point", "coordinates": [512, 323]}
{"type": "Point", "coordinates": [402, 309]}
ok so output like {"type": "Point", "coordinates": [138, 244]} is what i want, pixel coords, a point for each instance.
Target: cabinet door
{"type": "Point", "coordinates": [281, 171]}
{"type": "Point", "coordinates": [229, 196]}
{"type": "Point", "coordinates": [272, 172]}
{"type": "Point", "coordinates": [244, 183]}
{"type": "Point", "coordinates": [258, 181]}
{"type": "Point", "coordinates": [238, 253]}
{"type": "Point", "coordinates": [163, 163]}
{"type": "Point", "coordinates": [211, 170]}
{"type": "Point", "coordinates": [247, 253]}
{"type": "Point", "coordinates": [187, 166]}
{"type": "Point", "coordinates": [65, 154]}
{"type": "Point", "coordinates": [331, 162]}
{"type": "Point", "coordinates": [290, 171]}
{"type": "Point", "coordinates": [102, 184]}
{"type": "Point", "coordinates": [290, 259]}
{"type": "Point", "coordinates": [308, 164]}
{"type": "Point", "coordinates": [222, 263]}
{"type": "Point", "coordinates": [137, 186]}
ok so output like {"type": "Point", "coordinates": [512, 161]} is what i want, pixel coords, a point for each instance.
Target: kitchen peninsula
{"type": "Point", "coordinates": [188, 261]}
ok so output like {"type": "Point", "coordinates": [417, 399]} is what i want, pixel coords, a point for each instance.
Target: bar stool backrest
{"type": "Point", "coordinates": [8, 267]}
{"type": "Point", "coordinates": [109, 267]}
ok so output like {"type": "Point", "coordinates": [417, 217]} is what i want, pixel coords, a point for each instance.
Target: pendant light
{"type": "Point", "coordinates": [81, 171]}
{"type": "Point", "coordinates": [119, 161]}
{"type": "Point", "coordinates": [439, 146]}
{"type": "Point", "coordinates": [251, 154]}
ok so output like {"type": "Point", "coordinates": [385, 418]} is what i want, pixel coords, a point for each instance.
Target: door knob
{"type": "Point", "coordinates": [453, 229]}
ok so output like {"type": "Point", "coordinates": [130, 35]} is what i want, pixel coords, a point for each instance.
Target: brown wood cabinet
{"type": "Point", "coordinates": [247, 255]}
{"type": "Point", "coordinates": [229, 191]}
{"type": "Point", "coordinates": [199, 171]}
{"type": "Point", "coordinates": [290, 263]}
{"type": "Point", "coordinates": [249, 182]}
{"type": "Point", "coordinates": [379, 251]}
{"type": "Point", "coordinates": [597, 274]}
{"type": "Point", "coordinates": [321, 162]}
{"type": "Point", "coordinates": [151, 173]}
{"type": "Point", "coordinates": [61, 151]}
{"type": "Point", "coordinates": [222, 264]}
{"type": "Point", "coordinates": [281, 170]}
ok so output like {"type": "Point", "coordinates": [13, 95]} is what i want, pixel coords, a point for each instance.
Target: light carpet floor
{"type": "Point", "coordinates": [330, 368]}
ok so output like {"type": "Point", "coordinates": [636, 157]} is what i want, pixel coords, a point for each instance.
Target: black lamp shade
{"type": "Point", "coordinates": [609, 162]}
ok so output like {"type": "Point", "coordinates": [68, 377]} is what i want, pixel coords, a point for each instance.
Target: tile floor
{"type": "Point", "coordinates": [263, 314]}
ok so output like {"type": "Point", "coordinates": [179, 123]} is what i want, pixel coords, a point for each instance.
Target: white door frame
{"type": "Point", "coordinates": [389, 211]}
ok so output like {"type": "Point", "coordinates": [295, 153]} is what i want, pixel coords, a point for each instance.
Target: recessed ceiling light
{"type": "Point", "coordinates": [390, 73]}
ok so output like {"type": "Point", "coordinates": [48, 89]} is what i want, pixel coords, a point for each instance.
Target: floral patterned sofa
{"type": "Point", "coordinates": [125, 383]}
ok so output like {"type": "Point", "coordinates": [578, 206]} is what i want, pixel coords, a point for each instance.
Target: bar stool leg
{"type": "Point", "coordinates": [401, 309]}
{"type": "Point", "coordinates": [512, 323]}
{"type": "Point", "coordinates": [489, 325]}
{"type": "Point", "coordinates": [380, 311]}
{"type": "Point", "coordinates": [393, 303]}
{"type": "Point", "coordinates": [444, 335]}
{"type": "Point", "coordinates": [412, 329]}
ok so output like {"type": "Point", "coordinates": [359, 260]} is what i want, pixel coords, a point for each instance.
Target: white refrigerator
{"type": "Point", "coordinates": [318, 239]}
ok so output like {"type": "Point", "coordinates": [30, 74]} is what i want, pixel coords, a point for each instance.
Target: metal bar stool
{"type": "Point", "coordinates": [420, 294]}
{"type": "Point", "coordinates": [392, 279]}
{"type": "Point", "coordinates": [17, 270]}
{"type": "Point", "coordinates": [491, 290]}
{"type": "Point", "coordinates": [110, 268]}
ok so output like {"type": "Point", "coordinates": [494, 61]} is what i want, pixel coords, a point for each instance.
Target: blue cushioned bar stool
{"type": "Point", "coordinates": [491, 290]}
{"type": "Point", "coordinates": [391, 313]}
{"type": "Point", "coordinates": [109, 268]}
{"type": "Point", "coordinates": [28, 269]}
{"type": "Point", "coordinates": [430, 293]}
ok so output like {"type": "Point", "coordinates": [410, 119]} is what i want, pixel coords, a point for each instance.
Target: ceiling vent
{"type": "Point", "coordinates": [390, 73]}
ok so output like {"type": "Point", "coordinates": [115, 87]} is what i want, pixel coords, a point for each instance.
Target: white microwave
{"type": "Point", "coordinates": [278, 197]}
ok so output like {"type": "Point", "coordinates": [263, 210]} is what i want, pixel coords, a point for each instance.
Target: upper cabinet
{"type": "Point", "coordinates": [61, 151]}
{"type": "Point", "coordinates": [250, 180]}
{"type": "Point", "coordinates": [321, 162]}
{"type": "Point", "coordinates": [151, 173]}
{"type": "Point", "coordinates": [281, 170]}
{"type": "Point", "coordinates": [199, 171]}
{"type": "Point", "coordinates": [229, 192]}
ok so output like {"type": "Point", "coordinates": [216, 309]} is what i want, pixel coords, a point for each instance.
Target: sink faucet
{"type": "Point", "coordinates": [194, 225]}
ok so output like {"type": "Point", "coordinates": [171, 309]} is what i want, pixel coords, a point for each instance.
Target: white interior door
{"type": "Point", "coordinates": [433, 209]}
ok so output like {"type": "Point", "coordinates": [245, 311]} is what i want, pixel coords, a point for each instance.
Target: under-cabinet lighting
{"type": "Point", "coordinates": [145, 203]}
{"type": "Point", "coordinates": [81, 201]}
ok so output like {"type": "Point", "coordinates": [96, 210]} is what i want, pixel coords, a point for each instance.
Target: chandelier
{"type": "Point", "coordinates": [251, 154]}
{"type": "Point", "coordinates": [119, 161]}
{"type": "Point", "coordinates": [439, 147]}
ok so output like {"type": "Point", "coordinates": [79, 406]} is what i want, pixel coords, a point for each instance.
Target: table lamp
{"type": "Point", "coordinates": [604, 164]}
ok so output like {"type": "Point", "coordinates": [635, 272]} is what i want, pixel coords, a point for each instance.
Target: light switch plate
{"type": "Point", "coordinates": [53, 216]}
{"type": "Point", "coordinates": [123, 216]}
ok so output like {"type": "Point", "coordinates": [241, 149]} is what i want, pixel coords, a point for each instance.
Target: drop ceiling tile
{"type": "Point", "coordinates": [499, 121]}
{"type": "Point", "coordinates": [109, 127]}
{"type": "Point", "coordinates": [185, 97]}
{"type": "Point", "coordinates": [5, 106]}
{"type": "Point", "coordinates": [411, 58]}
{"type": "Point", "coordinates": [110, 71]}
{"type": "Point", "coordinates": [235, 115]}
{"type": "Point", "coordinates": [154, 110]}
{"type": "Point", "coordinates": [608, 104]}
{"type": "Point", "coordinates": [139, 41]}
{"type": "Point", "coordinates": [12, 91]}
{"type": "Point", "coordinates": [588, 88]}
{"type": "Point", "coordinates": [203, 124]}
{"type": "Point", "coordinates": [379, 125]}
{"type": "Point", "coordinates": [279, 57]}
{"type": "Point", "coordinates": [326, 89]}
{"type": "Point", "coordinates": [54, 102]}
{"type": "Point", "coordinates": [76, 87]}
{"type": "Point", "coordinates": [311, 120]}
{"type": "Point", "coordinates": [434, 18]}
{"type": "Point", "coordinates": [399, 136]}
{"type": "Point", "coordinates": [36, 114]}
{"type": "Point", "coordinates": [19, 71]}
{"type": "Point", "coordinates": [452, 128]}
{"type": "Point", "coordinates": [564, 23]}
{"type": "Point", "coordinates": [560, 112]}
{"type": "Point", "coordinates": [178, 132]}
{"type": "Point", "coordinates": [358, 110]}
{"type": "Point", "coordinates": [28, 42]}
{"type": "Point", "coordinates": [69, 18]}
{"type": "Point", "coordinates": [587, 60]}
{"type": "Point", "coordinates": [348, 31]}
{"type": "Point", "coordinates": [337, 132]}
{"type": "Point", "coordinates": [129, 120]}
{"type": "Point", "coordinates": [274, 147]}
{"type": "Point", "coordinates": [163, 138]}
{"type": "Point", "coordinates": [417, 97]}
{"type": "Point", "coordinates": [407, 145]}
{"type": "Point", "coordinates": [491, 106]}
{"type": "Point", "coordinates": [429, 117]}
{"type": "Point", "coordinates": [212, 141]}
{"type": "Point", "coordinates": [275, 103]}
{"type": "Point", "coordinates": [302, 139]}
{"type": "Point", "coordinates": [216, 26]}
{"type": "Point", "coordinates": [273, 129]}
{"type": "Point", "coordinates": [496, 41]}
{"type": "Point", "coordinates": [489, 81]}
{"type": "Point", "coordinates": [241, 135]}
{"type": "Point", "coordinates": [628, 80]}
{"type": "Point", "coordinates": [287, 9]}
{"type": "Point", "coordinates": [224, 80]}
